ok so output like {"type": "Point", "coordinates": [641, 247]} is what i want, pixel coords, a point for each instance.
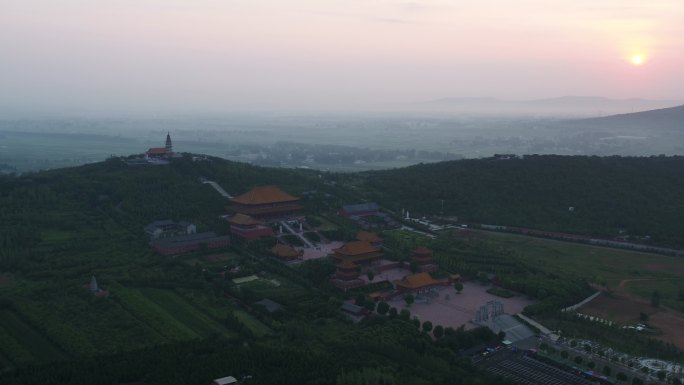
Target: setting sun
{"type": "Point", "coordinates": [637, 60]}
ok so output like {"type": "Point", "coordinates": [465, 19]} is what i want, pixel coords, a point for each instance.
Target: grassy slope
{"type": "Point", "coordinates": [89, 220]}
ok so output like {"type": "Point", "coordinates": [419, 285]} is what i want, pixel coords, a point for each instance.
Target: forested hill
{"type": "Point", "coordinates": [643, 196]}
{"type": "Point", "coordinates": [84, 204]}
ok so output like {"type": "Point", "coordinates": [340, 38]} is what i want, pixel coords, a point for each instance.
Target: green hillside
{"type": "Point", "coordinates": [609, 196]}
{"type": "Point", "coordinates": [181, 320]}
{"type": "Point", "coordinates": [185, 317]}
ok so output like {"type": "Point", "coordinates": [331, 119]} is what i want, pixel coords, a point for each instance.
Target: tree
{"type": "Point", "coordinates": [661, 375]}
{"type": "Point", "coordinates": [370, 274]}
{"type": "Point", "coordinates": [405, 314]}
{"type": "Point", "coordinates": [370, 305]}
{"type": "Point", "coordinates": [427, 326]}
{"type": "Point", "coordinates": [458, 286]}
{"type": "Point", "coordinates": [543, 346]}
{"type": "Point", "coordinates": [393, 312]}
{"type": "Point", "coordinates": [409, 298]}
{"type": "Point", "coordinates": [655, 299]}
{"type": "Point", "coordinates": [360, 300]}
{"type": "Point", "coordinates": [643, 317]}
{"type": "Point", "coordinates": [578, 360]}
{"type": "Point", "coordinates": [564, 354]}
{"type": "Point", "coordinates": [607, 370]}
{"type": "Point", "coordinates": [637, 381]}
{"type": "Point", "coordinates": [438, 332]}
{"type": "Point", "coordinates": [621, 377]}
{"type": "Point", "coordinates": [413, 266]}
{"type": "Point", "coordinates": [591, 364]}
{"type": "Point", "coordinates": [382, 308]}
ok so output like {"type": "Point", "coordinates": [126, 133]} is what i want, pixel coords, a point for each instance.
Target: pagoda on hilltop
{"type": "Point", "coordinates": [162, 152]}
{"type": "Point", "coordinates": [268, 203]}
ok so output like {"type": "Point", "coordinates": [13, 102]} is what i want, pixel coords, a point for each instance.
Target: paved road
{"type": "Point", "coordinates": [218, 188]}
{"type": "Point", "coordinates": [291, 231]}
{"type": "Point", "coordinates": [543, 329]}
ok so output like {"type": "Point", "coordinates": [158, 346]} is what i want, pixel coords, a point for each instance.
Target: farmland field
{"type": "Point", "coordinates": [253, 324]}
{"type": "Point", "coordinates": [197, 321]}
{"type": "Point", "coordinates": [24, 344]}
{"type": "Point", "coordinates": [153, 314]}
{"type": "Point", "coordinates": [599, 264]}
{"type": "Point", "coordinates": [626, 311]}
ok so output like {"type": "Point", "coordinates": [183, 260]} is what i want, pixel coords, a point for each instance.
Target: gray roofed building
{"type": "Point", "coordinates": [270, 306]}
{"type": "Point", "coordinates": [230, 380]}
{"type": "Point", "coordinates": [361, 209]}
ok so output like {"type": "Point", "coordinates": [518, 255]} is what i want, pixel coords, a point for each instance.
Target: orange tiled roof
{"type": "Point", "coordinates": [356, 248]}
{"type": "Point", "coordinates": [264, 195]}
{"type": "Point", "coordinates": [284, 251]}
{"type": "Point", "coordinates": [256, 210]}
{"type": "Point", "coordinates": [348, 264]}
{"type": "Point", "coordinates": [157, 150]}
{"type": "Point", "coordinates": [242, 219]}
{"type": "Point", "coordinates": [416, 281]}
{"type": "Point", "coordinates": [368, 236]}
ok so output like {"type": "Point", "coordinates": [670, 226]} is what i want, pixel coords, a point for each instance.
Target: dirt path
{"type": "Point", "coordinates": [624, 282]}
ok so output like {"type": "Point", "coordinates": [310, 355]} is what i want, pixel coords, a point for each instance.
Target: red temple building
{"type": "Point", "coordinates": [418, 283]}
{"type": "Point", "coordinates": [267, 203]}
{"type": "Point", "coordinates": [423, 257]}
{"type": "Point", "coordinates": [358, 252]}
{"type": "Point", "coordinates": [244, 226]}
{"type": "Point", "coordinates": [162, 152]}
{"type": "Point", "coordinates": [347, 276]}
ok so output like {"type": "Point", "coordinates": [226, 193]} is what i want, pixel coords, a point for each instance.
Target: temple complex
{"type": "Point", "coordinates": [267, 203]}
{"type": "Point", "coordinates": [244, 226]}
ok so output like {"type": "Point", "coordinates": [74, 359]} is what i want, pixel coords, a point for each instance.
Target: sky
{"type": "Point", "coordinates": [160, 56]}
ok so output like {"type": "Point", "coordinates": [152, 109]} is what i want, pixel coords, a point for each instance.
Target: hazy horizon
{"type": "Point", "coordinates": [210, 56]}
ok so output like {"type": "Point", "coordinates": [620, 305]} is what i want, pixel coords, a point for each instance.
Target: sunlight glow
{"type": "Point", "coordinates": [637, 60]}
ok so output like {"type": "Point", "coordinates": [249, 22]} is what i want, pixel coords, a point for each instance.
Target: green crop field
{"type": "Point", "coordinates": [27, 343]}
{"type": "Point", "coordinates": [258, 328]}
{"type": "Point", "coordinates": [199, 322]}
{"type": "Point", "coordinates": [153, 314]}
{"type": "Point", "coordinates": [599, 264]}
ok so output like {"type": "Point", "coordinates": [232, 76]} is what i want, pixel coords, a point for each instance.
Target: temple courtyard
{"type": "Point", "coordinates": [444, 306]}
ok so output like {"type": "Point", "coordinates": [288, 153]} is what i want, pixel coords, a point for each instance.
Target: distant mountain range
{"type": "Point", "coordinates": [580, 106]}
{"type": "Point", "coordinates": [660, 120]}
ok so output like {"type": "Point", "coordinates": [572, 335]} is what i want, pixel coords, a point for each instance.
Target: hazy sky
{"type": "Point", "coordinates": [228, 55]}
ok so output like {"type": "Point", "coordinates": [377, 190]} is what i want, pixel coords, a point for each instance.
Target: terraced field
{"type": "Point", "coordinates": [200, 323]}
{"type": "Point", "coordinates": [23, 343]}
